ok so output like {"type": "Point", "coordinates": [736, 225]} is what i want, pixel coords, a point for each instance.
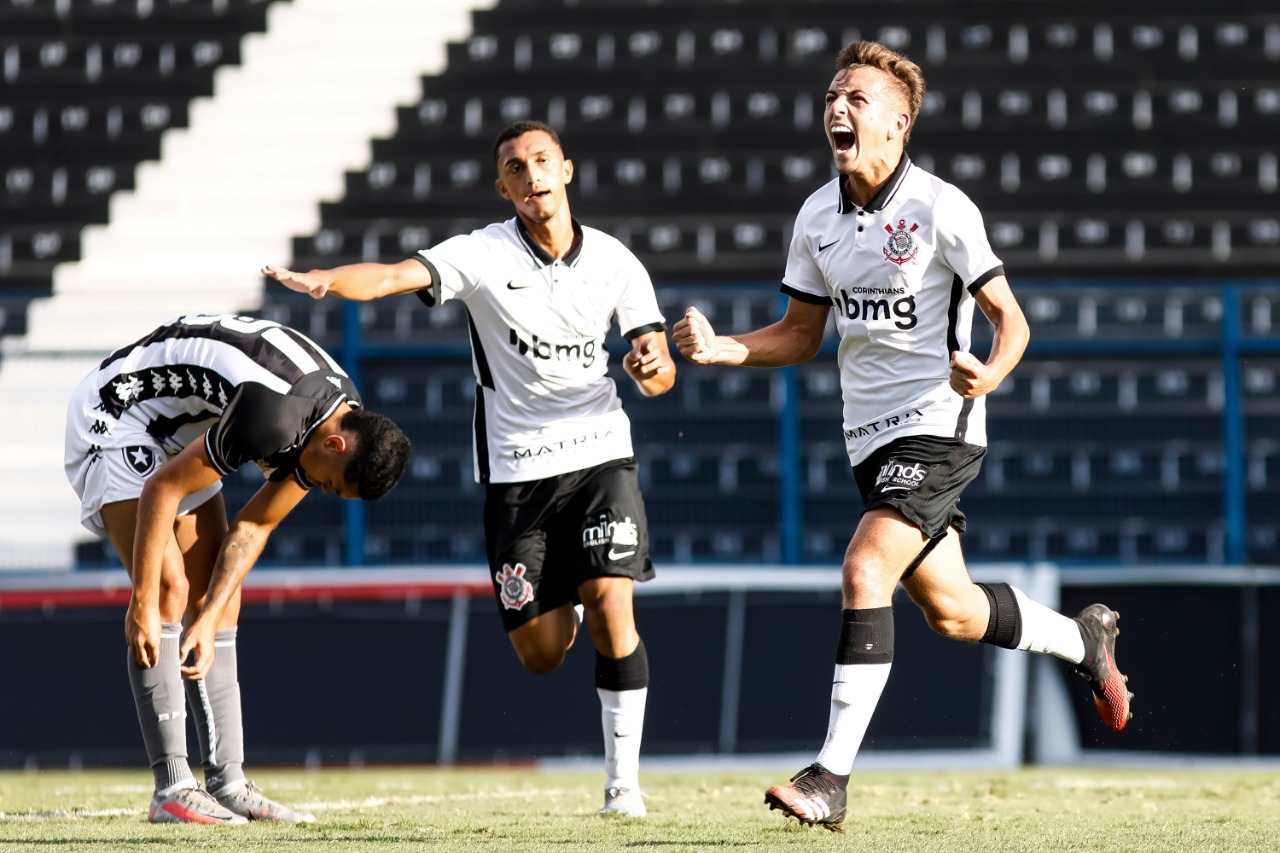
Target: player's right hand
{"type": "Point", "coordinates": [199, 639]}
{"type": "Point", "coordinates": [142, 633]}
{"type": "Point", "coordinates": [695, 338]}
{"type": "Point", "coordinates": [309, 283]}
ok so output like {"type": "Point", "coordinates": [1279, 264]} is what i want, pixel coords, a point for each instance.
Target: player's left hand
{"type": "Point", "coordinates": [310, 283]}
{"type": "Point", "coordinates": [199, 639]}
{"type": "Point", "coordinates": [970, 377]}
{"type": "Point", "coordinates": [645, 360]}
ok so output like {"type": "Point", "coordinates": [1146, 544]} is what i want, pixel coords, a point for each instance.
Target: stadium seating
{"type": "Point", "coordinates": [1125, 165]}
{"type": "Point", "coordinates": [90, 87]}
{"type": "Point", "coordinates": [695, 136]}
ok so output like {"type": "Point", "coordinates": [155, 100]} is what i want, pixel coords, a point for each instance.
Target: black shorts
{"type": "Point", "coordinates": [920, 476]}
{"type": "Point", "coordinates": [545, 537]}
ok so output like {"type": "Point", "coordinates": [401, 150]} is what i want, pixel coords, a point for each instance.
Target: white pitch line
{"type": "Point", "coordinates": [322, 805]}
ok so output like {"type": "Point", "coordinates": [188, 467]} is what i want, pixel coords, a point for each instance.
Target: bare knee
{"type": "Point", "coordinates": [174, 594]}
{"type": "Point", "coordinates": [540, 661]}
{"type": "Point", "coordinates": [541, 643]}
{"type": "Point", "coordinates": [959, 620]}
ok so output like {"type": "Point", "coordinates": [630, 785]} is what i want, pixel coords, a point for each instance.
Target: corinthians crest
{"type": "Point", "coordinates": [514, 590]}
{"type": "Point", "coordinates": [901, 245]}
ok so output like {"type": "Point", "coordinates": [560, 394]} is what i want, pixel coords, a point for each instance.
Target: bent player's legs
{"type": "Point", "coordinates": [157, 691]}
{"type": "Point", "coordinates": [215, 699]}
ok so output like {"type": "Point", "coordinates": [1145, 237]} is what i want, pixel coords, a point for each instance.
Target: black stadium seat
{"type": "Point", "coordinates": [89, 88]}
{"type": "Point", "coordinates": [1125, 165]}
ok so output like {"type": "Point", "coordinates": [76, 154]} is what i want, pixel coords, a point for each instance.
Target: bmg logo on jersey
{"type": "Point", "coordinates": [876, 307]}
{"type": "Point", "coordinates": [622, 537]}
{"type": "Point", "coordinates": [900, 475]}
{"type": "Point", "coordinates": [585, 352]}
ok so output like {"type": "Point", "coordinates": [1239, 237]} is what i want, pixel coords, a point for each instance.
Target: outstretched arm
{"type": "Point", "coordinates": [973, 378]}
{"type": "Point", "coordinates": [241, 548]}
{"type": "Point", "coordinates": [357, 282]}
{"type": "Point", "coordinates": [795, 338]}
{"type": "Point", "coordinates": [649, 364]}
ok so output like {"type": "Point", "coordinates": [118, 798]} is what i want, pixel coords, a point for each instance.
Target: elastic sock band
{"type": "Point", "coordinates": [866, 636]}
{"type": "Point", "coordinates": [1004, 627]}
{"type": "Point", "coordinates": [628, 673]}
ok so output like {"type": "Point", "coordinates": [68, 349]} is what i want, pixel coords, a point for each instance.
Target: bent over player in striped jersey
{"type": "Point", "coordinates": [903, 258]}
{"type": "Point", "coordinates": [151, 432]}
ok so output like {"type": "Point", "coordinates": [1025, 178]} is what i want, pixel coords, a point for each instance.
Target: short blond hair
{"type": "Point", "coordinates": [904, 76]}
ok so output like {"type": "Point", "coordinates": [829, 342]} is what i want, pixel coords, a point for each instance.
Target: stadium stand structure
{"type": "Point", "coordinates": [155, 154]}
{"type": "Point", "coordinates": [1122, 185]}
{"type": "Point", "coordinates": [1103, 157]}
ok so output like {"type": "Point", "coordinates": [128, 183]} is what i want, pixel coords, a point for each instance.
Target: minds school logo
{"type": "Point", "coordinates": [899, 475]}
{"type": "Point", "coordinates": [514, 590]}
{"type": "Point", "coordinates": [622, 537]}
{"type": "Point", "coordinates": [140, 458]}
{"type": "Point", "coordinates": [901, 246]}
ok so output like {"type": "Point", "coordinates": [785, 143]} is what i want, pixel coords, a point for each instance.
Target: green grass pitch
{"type": "Point", "coordinates": [517, 809]}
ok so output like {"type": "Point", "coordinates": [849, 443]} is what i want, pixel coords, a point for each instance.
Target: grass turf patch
{"type": "Point", "coordinates": [516, 809]}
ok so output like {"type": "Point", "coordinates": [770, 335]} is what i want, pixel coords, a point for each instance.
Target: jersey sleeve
{"type": "Point", "coordinates": [803, 279]}
{"type": "Point", "coordinates": [962, 240]}
{"type": "Point", "coordinates": [637, 310]}
{"type": "Point", "coordinates": [457, 266]}
{"type": "Point", "coordinates": [250, 428]}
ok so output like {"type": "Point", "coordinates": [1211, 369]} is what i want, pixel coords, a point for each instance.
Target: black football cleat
{"type": "Point", "coordinates": [815, 797]}
{"type": "Point", "coordinates": [1110, 694]}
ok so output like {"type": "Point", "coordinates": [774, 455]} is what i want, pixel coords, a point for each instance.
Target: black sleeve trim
{"type": "Point", "coordinates": [428, 294]}
{"type": "Point", "coordinates": [219, 464]}
{"type": "Point", "coordinates": [978, 282]}
{"type": "Point", "coordinates": [802, 296]}
{"type": "Point", "coordinates": [644, 330]}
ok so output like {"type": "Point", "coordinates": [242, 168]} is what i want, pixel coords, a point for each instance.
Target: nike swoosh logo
{"type": "Point", "coordinates": [618, 555]}
{"type": "Point", "coordinates": [821, 248]}
{"type": "Point", "coordinates": [511, 285]}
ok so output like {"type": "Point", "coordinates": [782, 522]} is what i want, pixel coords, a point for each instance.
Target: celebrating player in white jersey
{"type": "Point", "coordinates": [903, 258]}
{"type": "Point", "coordinates": [151, 432]}
{"type": "Point", "coordinates": [564, 519]}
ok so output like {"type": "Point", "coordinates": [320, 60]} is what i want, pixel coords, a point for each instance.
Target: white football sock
{"type": "Point", "coordinates": [1046, 631]}
{"type": "Point", "coordinates": [855, 692]}
{"type": "Point", "coordinates": [622, 718]}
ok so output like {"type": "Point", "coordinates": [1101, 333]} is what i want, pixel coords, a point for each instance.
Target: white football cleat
{"type": "Point", "coordinates": [626, 802]}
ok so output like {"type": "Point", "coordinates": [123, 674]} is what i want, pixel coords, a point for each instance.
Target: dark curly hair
{"type": "Point", "coordinates": [380, 456]}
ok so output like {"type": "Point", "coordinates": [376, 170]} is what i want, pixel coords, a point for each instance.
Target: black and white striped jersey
{"type": "Point", "coordinates": [254, 388]}
{"type": "Point", "coordinates": [545, 404]}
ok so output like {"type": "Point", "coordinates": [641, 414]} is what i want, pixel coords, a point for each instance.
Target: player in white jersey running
{"type": "Point", "coordinates": [151, 432]}
{"type": "Point", "coordinates": [564, 518]}
{"type": "Point", "coordinates": [903, 258]}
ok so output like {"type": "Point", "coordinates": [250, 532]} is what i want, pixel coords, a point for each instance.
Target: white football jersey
{"type": "Point", "coordinates": [545, 404]}
{"type": "Point", "coordinates": [900, 274]}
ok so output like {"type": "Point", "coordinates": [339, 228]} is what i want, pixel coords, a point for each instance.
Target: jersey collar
{"type": "Point", "coordinates": [541, 254]}
{"type": "Point", "coordinates": [881, 198]}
